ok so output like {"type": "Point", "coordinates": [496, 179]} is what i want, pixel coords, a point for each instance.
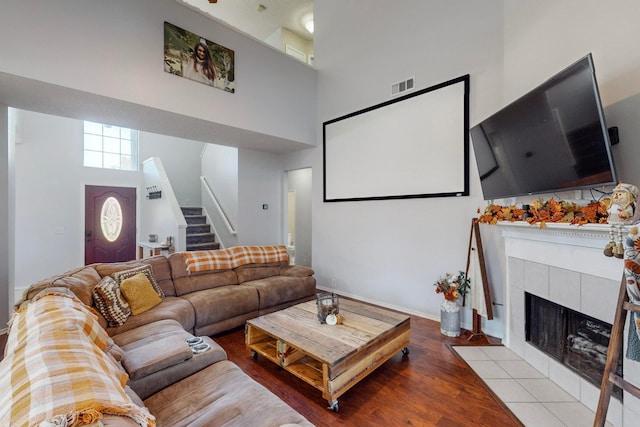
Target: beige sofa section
{"type": "Point", "coordinates": [225, 299]}
{"type": "Point", "coordinates": [180, 387]}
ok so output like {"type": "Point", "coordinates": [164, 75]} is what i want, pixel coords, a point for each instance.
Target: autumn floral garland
{"type": "Point", "coordinates": [541, 212]}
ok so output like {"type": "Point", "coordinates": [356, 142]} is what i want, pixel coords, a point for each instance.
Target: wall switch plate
{"type": "Point", "coordinates": [59, 229]}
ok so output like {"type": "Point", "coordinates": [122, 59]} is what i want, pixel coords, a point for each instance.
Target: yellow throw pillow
{"type": "Point", "coordinates": [139, 293]}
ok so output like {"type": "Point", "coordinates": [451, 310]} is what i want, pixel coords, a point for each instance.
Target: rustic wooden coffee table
{"type": "Point", "coordinates": [332, 358]}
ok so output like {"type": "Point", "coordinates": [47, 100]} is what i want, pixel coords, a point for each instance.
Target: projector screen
{"type": "Point", "coordinates": [410, 147]}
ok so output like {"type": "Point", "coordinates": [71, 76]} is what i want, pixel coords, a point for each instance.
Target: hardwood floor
{"type": "Point", "coordinates": [430, 387]}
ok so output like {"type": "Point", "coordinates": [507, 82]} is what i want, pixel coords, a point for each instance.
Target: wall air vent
{"type": "Point", "coordinates": [403, 86]}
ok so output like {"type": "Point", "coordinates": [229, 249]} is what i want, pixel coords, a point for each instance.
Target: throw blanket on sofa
{"type": "Point", "coordinates": [226, 259]}
{"type": "Point", "coordinates": [55, 371]}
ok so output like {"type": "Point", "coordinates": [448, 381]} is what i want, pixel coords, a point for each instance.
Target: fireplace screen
{"type": "Point", "coordinates": [545, 325]}
{"type": "Point", "coordinates": [578, 341]}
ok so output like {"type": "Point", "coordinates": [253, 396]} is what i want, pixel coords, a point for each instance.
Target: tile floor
{"type": "Point", "coordinates": [533, 398]}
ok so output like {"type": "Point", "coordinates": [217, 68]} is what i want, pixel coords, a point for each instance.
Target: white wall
{"type": "Point", "coordinates": [624, 115]}
{"type": "Point", "coordinates": [181, 160]}
{"type": "Point", "coordinates": [282, 37]}
{"type": "Point", "coordinates": [541, 38]}
{"type": "Point", "coordinates": [220, 169]}
{"type": "Point", "coordinates": [115, 49]}
{"type": "Point", "coordinates": [50, 180]}
{"type": "Point", "coordinates": [7, 235]}
{"type": "Point", "coordinates": [260, 182]}
{"type": "Point", "coordinates": [392, 251]}
{"type": "Point", "coordinates": [49, 190]}
{"type": "Point", "coordinates": [160, 216]}
{"type": "Point", "coordinates": [103, 61]}
{"type": "Point", "coordinates": [385, 251]}
{"type": "Point", "coordinates": [300, 181]}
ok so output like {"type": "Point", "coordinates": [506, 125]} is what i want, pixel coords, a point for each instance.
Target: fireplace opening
{"type": "Point", "coordinates": [574, 339]}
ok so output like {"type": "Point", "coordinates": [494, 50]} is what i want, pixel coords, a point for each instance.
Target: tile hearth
{"type": "Point", "coordinates": [532, 397]}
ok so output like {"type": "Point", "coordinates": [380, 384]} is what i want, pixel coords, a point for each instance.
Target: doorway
{"type": "Point", "coordinates": [110, 224]}
{"type": "Point", "coordinates": [299, 216]}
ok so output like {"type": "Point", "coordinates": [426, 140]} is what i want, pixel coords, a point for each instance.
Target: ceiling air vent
{"type": "Point", "coordinates": [403, 86]}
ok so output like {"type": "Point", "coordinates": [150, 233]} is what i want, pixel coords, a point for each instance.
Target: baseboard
{"type": "Point", "coordinates": [464, 325]}
{"type": "Point", "coordinates": [3, 331]}
{"type": "Point", "coordinates": [382, 304]}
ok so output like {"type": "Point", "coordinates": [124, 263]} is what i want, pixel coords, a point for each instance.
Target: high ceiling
{"type": "Point", "coordinates": [258, 18]}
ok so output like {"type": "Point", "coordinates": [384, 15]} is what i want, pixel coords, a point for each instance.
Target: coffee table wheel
{"type": "Point", "coordinates": [405, 351]}
{"type": "Point", "coordinates": [333, 406]}
{"type": "Point", "coordinates": [254, 354]}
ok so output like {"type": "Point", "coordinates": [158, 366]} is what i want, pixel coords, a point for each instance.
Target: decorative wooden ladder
{"type": "Point", "coordinates": [609, 377]}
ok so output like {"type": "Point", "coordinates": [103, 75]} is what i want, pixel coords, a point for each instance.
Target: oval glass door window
{"type": "Point", "coordinates": [111, 219]}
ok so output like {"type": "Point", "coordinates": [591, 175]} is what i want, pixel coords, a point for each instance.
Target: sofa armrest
{"type": "Point", "coordinates": [155, 382]}
{"type": "Point", "coordinates": [296, 271]}
{"type": "Point", "coordinates": [155, 352]}
{"type": "Point", "coordinates": [155, 355]}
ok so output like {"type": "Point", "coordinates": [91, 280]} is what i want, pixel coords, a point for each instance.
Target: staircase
{"type": "Point", "coordinates": [199, 235]}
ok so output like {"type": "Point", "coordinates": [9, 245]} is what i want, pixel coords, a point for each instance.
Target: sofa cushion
{"type": "Point", "coordinates": [185, 283]}
{"type": "Point", "coordinates": [154, 354]}
{"type": "Point", "coordinates": [282, 289]}
{"type": "Point", "coordinates": [110, 302]}
{"type": "Point", "coordinates": [174, 308]}
{"type": "Point", "coordinates": [296, 271]}
{"type": "Point", "coordinates": [119, 276]}
{"type": "Point", "coordinates": [153, 347]}
{"type": "Point", "coordinates": [221, 394]}
{"type": "Point", "coordinates": [157, 328]}
{"type": "Point", "coordinates": [159, 265]}
{"type": "Point", "coordinates": [139, 347]}
{"type": "Point", "coordinates": [225, 302]}
{"type": "Point", "coordinates": [139, 293]}
{"type": "Point", "coordinates": [80, 281]}
{"type": "Point", "coordinates": [189, 284]}
{"type": "Point", "coordinates": [260, 271]}
{"type": "Point", "coordinates": [155, 382]}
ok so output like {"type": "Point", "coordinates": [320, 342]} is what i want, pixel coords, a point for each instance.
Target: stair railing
{"type": "Point", "coordinates": [221, 212]}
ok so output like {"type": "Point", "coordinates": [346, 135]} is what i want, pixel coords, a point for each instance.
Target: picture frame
{"type": "Point", "coordinates": [193, 57]}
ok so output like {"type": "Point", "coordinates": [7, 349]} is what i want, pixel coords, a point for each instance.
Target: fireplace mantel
{"type": "Point", "coordinates": [590, 235]}
{"type": "Point", "coordinates": [568, 246]}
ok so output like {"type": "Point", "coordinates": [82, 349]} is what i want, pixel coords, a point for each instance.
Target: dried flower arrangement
{"type": "Point", "coordinates": [453, 287]}
{"type": "Point", "coordinates": [541, 212]}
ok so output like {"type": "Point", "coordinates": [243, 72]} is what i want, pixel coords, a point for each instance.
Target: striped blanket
{"type": "Point", "coordinates": [226, 259]}
{"type": "Point", "coordinates": [56, 372]}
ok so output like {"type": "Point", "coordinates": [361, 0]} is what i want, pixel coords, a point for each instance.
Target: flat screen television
{"type": "Point", "coordinates": [554, 138]}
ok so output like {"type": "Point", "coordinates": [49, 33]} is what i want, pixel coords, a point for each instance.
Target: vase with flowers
{"type": "Point", "coordinates": [452, 288]}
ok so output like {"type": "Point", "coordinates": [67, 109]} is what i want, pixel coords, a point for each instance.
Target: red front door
{"type": "Point", "coordinates": [110, 224]}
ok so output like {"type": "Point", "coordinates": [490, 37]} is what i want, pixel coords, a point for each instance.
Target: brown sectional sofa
{"type": "Point", "coordinates": [177, 386]}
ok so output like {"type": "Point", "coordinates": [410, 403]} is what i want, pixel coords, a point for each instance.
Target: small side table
{"type": "Point", "coordinates": [154, 249]}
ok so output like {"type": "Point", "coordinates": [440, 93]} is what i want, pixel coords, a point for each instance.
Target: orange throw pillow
{"type": "Point", "coordinates": [139, 293]}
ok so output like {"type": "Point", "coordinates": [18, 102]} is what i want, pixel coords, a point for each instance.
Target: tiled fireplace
{"type": "Point", "coordinates": [564, 264]}
{"type": "Point", "coordinates": [570, 337]}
